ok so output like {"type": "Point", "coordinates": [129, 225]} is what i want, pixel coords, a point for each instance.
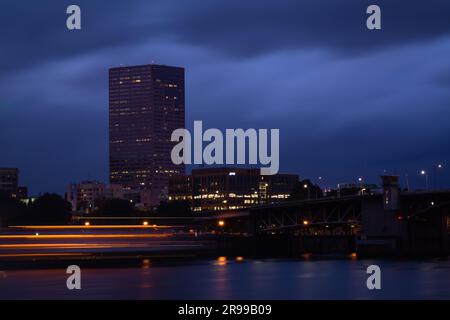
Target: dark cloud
{"type": "Point", "coordinates": [234, 27]}
{"type": "Point", "coordinates": [35, 32]}
{"type": "Point", "coordinates": [348, 102]}
{"type": "Point", "coordinates": [443, 78]}
{"type": "Point", "coordinates": [253, 27]}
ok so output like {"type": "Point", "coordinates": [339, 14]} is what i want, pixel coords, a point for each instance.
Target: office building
{"type": "Point", "coordinates": [214, 189]}
{"type": "Point", "coordinates": [146, 104]}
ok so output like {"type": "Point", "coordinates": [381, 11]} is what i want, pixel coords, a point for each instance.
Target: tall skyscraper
{"type": "Point", "coordinates": [146, 103]}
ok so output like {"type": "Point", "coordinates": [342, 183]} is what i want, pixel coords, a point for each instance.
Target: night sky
{"type": "Point", "coordinates": [348, 102]}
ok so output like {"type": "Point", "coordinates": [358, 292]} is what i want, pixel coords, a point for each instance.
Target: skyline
{"type": "Point", "coordinates": [225, 157]}
{"type": "Point", "coordinates": [333, 88]}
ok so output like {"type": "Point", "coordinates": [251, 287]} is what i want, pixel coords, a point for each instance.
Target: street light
{"type": "Point", "coordinates": [439, 168]}
{"type": "Point", "coordinates": [360, 180]}
{"type": "Point", "coordinates": [305, 186]}
{"type": "Point", "coordinates": [425, 174]}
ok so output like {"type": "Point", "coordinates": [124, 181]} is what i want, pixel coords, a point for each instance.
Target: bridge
{"type": "Point", "coordinates": [343, 213]}
{"type": "Point", "coordinates": [390, 221]}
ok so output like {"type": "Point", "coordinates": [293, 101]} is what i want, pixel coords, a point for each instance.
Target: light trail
{"type": "Point", "coordinates": [62, 245]}
{"type": "Point", "coordinates": [87, 236]}
{"type": "Point", "coordinates": [25, 255]}
{"type": "Point", "coordinates": [149, 226]}
{"type": "Point", "coordinates": [79, 241]}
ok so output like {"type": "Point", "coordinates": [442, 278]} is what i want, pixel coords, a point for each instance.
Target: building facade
{"type": "Point", "coordinates": [9, 180]}
{"type": "Point", "coordinates": [215, 189]}
{"type": "Point", "coordinates": [84, 196]}
{"type": "Point", "coordinates": [146, 104]}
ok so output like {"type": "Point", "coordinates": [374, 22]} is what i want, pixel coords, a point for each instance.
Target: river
{"type": "Point", "coordinates": [236, 278]}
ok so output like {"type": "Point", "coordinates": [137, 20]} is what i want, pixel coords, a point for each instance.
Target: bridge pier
{"type": "Point", "coordinates": [410, 224]}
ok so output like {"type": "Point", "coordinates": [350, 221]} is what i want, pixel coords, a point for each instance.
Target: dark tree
{"type": "Point", "coordinates": [115, 208]}
{"type": "Point", "coordinates": [304, 190]}
{"type": "Point", "coordinates": [174, 209]}
{"type": "Point", "coordinates": [48, 209]}
{"type": "Point", "coordinates": [12, 210]}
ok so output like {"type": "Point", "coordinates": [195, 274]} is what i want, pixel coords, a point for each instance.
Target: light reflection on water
{"type": "Point", "coordinates": [237, 278]}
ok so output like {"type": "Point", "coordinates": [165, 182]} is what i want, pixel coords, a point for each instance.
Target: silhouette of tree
{"type": "Point", "coordinates": [48, 209]}
{"type": "Point", "coordinates": [11, 210]}
{"type": "Point", "coordinates": [174, 209]}
{"type": "Point", "coordinates": [304, 190]}
{"type": "Point", "coordinates": [115, 208]}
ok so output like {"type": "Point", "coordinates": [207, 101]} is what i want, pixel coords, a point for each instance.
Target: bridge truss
{"type": "Point", "coordinates": [343, 213]}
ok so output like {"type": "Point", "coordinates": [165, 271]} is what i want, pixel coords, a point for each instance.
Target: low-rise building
{"type": "Point", "coordinates": [9, 183]}
{"type": "Point", "coordinates": [85, 195]}
{"type": "Point", "coordinates": [214, 189]}
{"type": "Point", "coordinates": [9, 180]}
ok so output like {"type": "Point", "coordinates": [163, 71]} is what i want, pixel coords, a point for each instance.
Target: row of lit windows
{"type": "Point", "coordinates": [217, 208]}
{"type": "Point", "coordinates": [180, 198]}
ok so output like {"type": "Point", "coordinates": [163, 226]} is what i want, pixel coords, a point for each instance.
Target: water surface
{"type": "Point", "coordinates": [231, 278]}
